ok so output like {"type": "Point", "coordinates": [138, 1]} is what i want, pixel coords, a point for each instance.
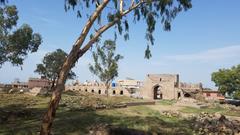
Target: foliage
{"type": "Point", "coordinates": [51, 65]}
{"type": "Point", "coordinates": [149, 11]}
{"type": "Point", "coordinates": [236, 95]}
{"type": "Point", "coordinates": [15, 43]}
{"type": "Point", "coordinates": [228, 80]}
{"type": "Point", "coordinates": [105, 62]}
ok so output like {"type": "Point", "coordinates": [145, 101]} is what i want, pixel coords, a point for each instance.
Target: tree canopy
{"type": "Point", "coordinates": [228, 80]}
{"type": "Point", "coordinates": [152, 12]}
{"type": "Point", "coordinates": [15, 43]}
{"type": "Point", "coordinates": [105, 62]}
{"type": "Point", "coordinates": [51, 65]}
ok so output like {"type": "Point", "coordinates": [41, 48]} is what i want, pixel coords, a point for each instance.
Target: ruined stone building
{"type": "Point", "coordinates": [167, 86]}
{"type": "Point", "coordinates": [155, 86]}
{"type": "Point", "coordinates": [122, 87]}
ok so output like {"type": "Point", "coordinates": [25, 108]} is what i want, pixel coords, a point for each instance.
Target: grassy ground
{"type": "Point", "coordinates": [211, 110]}
{"type": "Point", "coordinates": [166, 102]}
{"type": "Point", "coordinates": [23, 115]}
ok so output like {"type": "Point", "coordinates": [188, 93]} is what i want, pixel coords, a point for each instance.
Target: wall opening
{"type": "Point", "coordinates": [121, 92]}
{"type": "Point", "coordinates": [92, 90]}
{"type": "Point", "coordinates": [179, 95]}
{"type": "Point", "coordinates": [114, 92]}
{"type": "Point", "coordinates": [86, 90]}
{"type": "Point", "coordinates": [157, 94]}
{"type": "Point", "coordinates": [99, 91]}
{"type": "Point", "coordinates": [187, 95]}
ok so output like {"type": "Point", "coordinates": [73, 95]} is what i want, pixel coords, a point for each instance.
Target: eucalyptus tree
{"type": "Point", "coordinates": [15, 43]}
{"type": "Point", "coordinates": [105, 64]}
{"type": "Point", "coordinates": [103, 15]}
{"type": "Point", "coordinates": [51, 66]}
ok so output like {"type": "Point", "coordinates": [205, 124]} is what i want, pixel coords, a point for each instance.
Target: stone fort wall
{"type": "Point", "coordinates": [99, 89]}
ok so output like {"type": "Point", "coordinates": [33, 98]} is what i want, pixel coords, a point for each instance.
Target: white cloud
{"type": "Point", "coordinates": [217, 54]}
{"type": "Point", "coordinates": [47, 20]}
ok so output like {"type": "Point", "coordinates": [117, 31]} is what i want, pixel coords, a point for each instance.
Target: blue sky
{"type": "Point", "coordinates": [201, 41]}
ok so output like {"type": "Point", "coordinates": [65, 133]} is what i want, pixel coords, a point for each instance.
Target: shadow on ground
{"type": "Point", "coordinates": [20, 120]}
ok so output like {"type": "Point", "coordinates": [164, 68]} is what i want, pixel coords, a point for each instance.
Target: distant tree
{"type": "Point", "coordinates": [51, 66]}
{"type": "Point", "coordinates": [103, 15]}
{"type": "Point", "coordinates": [236, 95]}
{"type": "Point", "coordinates": [228, 81]}
{"type": "Point", "coordinates": [15, 43]}
{"type": "Point", "coordinates": [105, 63]}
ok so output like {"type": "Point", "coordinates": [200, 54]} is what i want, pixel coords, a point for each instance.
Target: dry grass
{"type": "Point", "coordinates": [24, 116]}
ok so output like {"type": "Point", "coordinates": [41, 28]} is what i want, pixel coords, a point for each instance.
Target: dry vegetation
{"type": "Point", "coordinates": [21, 114]}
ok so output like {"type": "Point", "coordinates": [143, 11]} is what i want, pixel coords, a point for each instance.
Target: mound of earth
{"type": "Point", "coordinates": [215, 124]}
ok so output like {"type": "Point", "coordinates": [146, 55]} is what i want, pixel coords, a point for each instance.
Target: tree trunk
{"type": "Point", "coordinates": [50, 114]}
{"type": "Point", "coordinates": [57, 91]}
{"type": "Point", "coordinates": [73, 56]}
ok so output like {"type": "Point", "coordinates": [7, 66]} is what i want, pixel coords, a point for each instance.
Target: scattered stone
{"type": "Point", "coordinates": [215, 124]}
{"type": "Point", "coordinates": [171, 113]}
{"type": "Point", "coordinates": [100, 106]}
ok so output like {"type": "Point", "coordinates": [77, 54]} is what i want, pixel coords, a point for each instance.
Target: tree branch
{"type": "Point", "coordinates": [89, 24]}
{"type": "Point", "coordinates": [77, 45]}
{"type": "Point", "coordinates": [106, 27]}
{"type": "Point", "coordinates": [121, 6]}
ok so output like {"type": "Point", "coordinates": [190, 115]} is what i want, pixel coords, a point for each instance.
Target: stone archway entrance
{"type": "Point", "coordinates": [157, 94]}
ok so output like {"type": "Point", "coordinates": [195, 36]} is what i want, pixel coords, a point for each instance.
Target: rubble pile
{"type": "Point", "coordinates": [215, 124]}
{"type": "Point", "coordinates": [74, 103]}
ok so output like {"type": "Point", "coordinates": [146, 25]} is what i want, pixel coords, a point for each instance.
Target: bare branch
{"type": "Point", "coordinates": [121, 6]}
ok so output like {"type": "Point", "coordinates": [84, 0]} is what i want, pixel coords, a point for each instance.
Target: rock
{"type": "Point", "coordinates": [215, 124]}
{"type": "Point", "coordinates": [100, 106]}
